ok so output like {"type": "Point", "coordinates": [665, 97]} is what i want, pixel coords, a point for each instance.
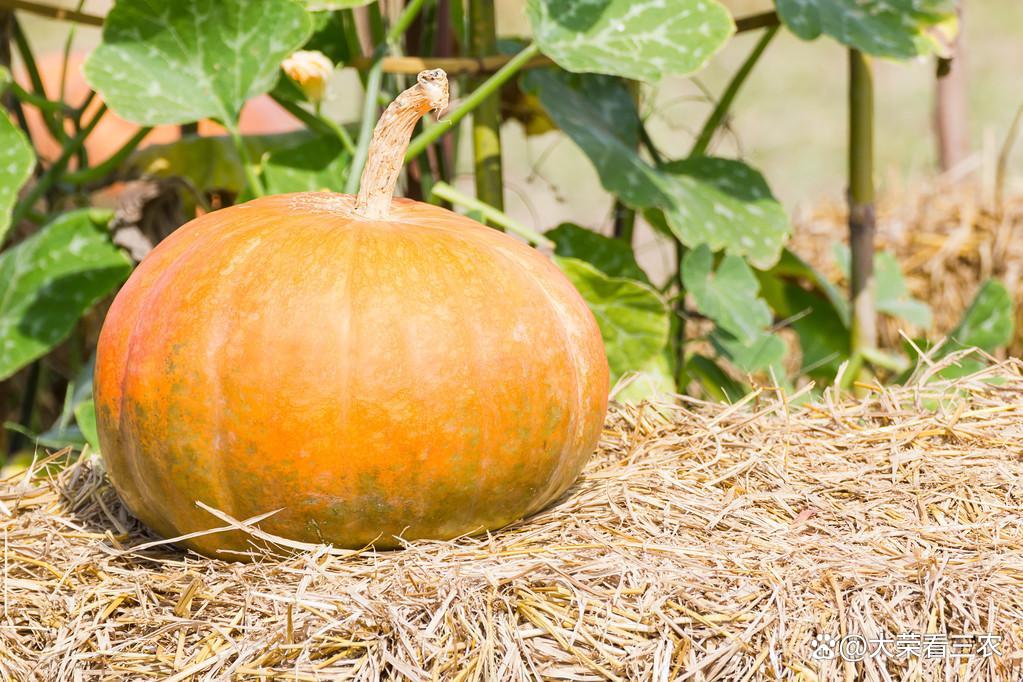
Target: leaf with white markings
{"type": "Point", "coordinates": [901, 29]}
{"type": "Point", "coordinates": [705, 200]}
{"type": "Point", "coordinates": [16, 162]}
{"type": "Point", "coordinates": [600, 116]}
{"type": "Point", "coordinates": [640, 39]}
{"type": "Point", "coordinates": [633, 318]}
{"type": "Point", "coordinates": [178, 61]}
{"type": "Point", "coordinates": [50, 279]}
{"type": "Point", "coordinates": [726, 205]}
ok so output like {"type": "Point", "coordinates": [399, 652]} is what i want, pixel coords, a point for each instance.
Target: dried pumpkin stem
{"type": "Point", "coordinates": [390, 140]}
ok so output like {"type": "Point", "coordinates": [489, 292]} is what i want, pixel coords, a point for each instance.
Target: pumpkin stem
{"type": "Point", "coordinates": [390, 141]}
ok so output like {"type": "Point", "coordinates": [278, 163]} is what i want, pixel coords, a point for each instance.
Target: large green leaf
{"type": "Point", "coordinates": [727, 205]}
{"type": "Point", "coordinates": [178, 61]}
{"type": "Point", "coordinates": [727, 295]}
{"type": "Point", "coordinates": [641, 39]}
{"type": "Point", "coordinates": [988, 322]}
{"type": "Point", "coordinates": [600, 116]}
{"type": "Point", "coordinates": [705, 200]}
{"type": "Point", "coordinates": [887, 28]}
{"type": "Point", "coordinates": [613, 257]}
{"type": "Point", "coordinates": [50, 279]}
{"type": "Point", "coordinates": [315, 165]}
{"type": "Point", "coordinates": [633, 317]}
{"type": "Point", "coordinates": [16, 162]}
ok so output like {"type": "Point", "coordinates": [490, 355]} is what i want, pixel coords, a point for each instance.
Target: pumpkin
{"type": "Point", "coordinates": [371, 370]}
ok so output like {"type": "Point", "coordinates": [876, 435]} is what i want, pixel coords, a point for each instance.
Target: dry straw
{"type": "Point", "coordinates": [704, 542]}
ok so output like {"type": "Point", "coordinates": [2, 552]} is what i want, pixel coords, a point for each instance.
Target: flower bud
{"type": "Point", "coordinates": [311, 69]}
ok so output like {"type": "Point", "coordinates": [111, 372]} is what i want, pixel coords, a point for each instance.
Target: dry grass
{"type": "Point", "coordinates": [704, 542]}
{"type": "Point", "coordinates": [947, 237]}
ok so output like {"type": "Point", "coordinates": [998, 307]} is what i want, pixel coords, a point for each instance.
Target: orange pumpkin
{"type": "Point", "coordinates": [373, 369]}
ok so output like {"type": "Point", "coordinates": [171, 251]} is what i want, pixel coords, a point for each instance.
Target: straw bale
{"type": "Point", "coordinates": [703, 542]}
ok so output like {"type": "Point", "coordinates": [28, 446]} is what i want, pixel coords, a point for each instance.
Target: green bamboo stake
{"type": "Point", "coordinates": [861, 205]}
{"type": "Point", "coordinates": [486, 119]}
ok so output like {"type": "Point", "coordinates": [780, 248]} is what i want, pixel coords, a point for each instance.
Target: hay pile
{"type": "Point", "coordinates": [703, 542]}
{"type": "Point", "coordinates": [947, 237]}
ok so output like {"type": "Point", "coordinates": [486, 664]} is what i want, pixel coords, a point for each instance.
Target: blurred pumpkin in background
{"type": "Point", "coordinates": [260, 116]}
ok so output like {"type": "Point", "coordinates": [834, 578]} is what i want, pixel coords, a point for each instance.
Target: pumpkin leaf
{"type": "Point", "coordinates": [50, 279]}
{"type": "Point", "coordinates": [987, 323]}
{"type": "Point", "coordinates": [817, 320]}
{"type": "Point", "coordinates": [900, 29]}
{"type": "Point", "coordinates": [16, 163]}
{"type": "Point", "coordinates": [314, 165]}
{"type": "Point", "coordinates": [640, 39]}
{"type": "Point", "coordinates": [791, 266]}
{"type": "Point", "coordinates": [613, 257]}
{"type": "Point", "coordinates": [179, 61]}
{"type": "Point", "coordinates": [727, 295]}
{"type": "Point", "coordinates": [600, 116]}
{"type": "Point", "coordinates": [633, 317]}
{"type": "Point", "coordinates": [653, 380]}
{"type": "Point", "coordinates": [727, 205]}
{"type": "Point", "coordinates": [705, 200]}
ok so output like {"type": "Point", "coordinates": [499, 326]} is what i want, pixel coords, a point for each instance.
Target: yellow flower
{"type": "Point", "coordinates": [311, 69]}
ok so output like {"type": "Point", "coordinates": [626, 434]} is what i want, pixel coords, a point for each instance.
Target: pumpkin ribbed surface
{"type": "Point", "coordinates": [416, 376]}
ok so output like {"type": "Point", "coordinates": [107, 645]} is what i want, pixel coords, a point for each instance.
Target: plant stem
{"type": "Point", "coordinates": [25, 50]}
{"type": "Point", "coordinates": [101, 170]}
{"type": "Point", "coordinates": [724, 104]}
{"type": "Point", "coordinates": [484, 90]}
{"type": "Point", "coordinates": [861, 203]}
{"type": "Point", "coordinates": [55, 171]}
{"type": "Point", "coordinates": [443, 190]}
{"type": "Point", "coordinates": [319, 123]}
{"type": "Point", "coordinates": [486, 119]}
{"type": "Point", "coordinates": [373, 81]}
{"type": "Point", "coordinates": [251, 178]}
